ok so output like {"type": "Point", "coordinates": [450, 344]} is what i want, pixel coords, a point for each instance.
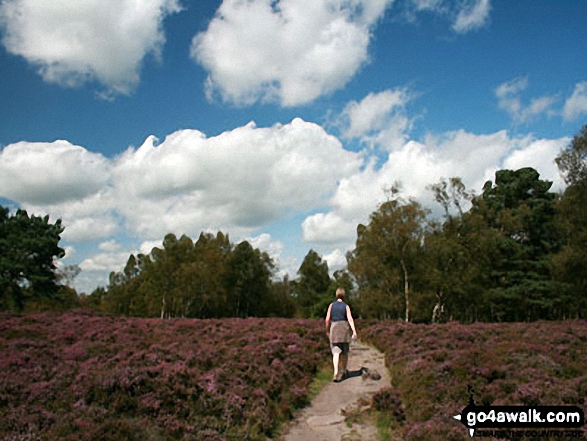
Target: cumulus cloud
{"type": "Point", "coordinates": [50, 173]}
{"type": "Point", "coordinates": [111, 257]}
{"type": "Point", "coordinates": [472, 16]}
{"type": "Point", "coordinates": [238, 181]}
{"type": "Point", "coordinates": [67, 181]}
{"type": "Point", "coordinates": [266, 244]}
{"type": "Point", "coordinates": [576, 104]}
{"type": "Point", "coordinates": [72, 41]}
{"type": "Point", "coordinates": [284, 265]}
{"type": "Point", "coordinates": [336, 260]}
{"type": "Point", "coordinates": [374, 112]}
{"type": "Point", "coordinates": [508, 95]}
{"type": "Point", "coordinates": [289, 51]}
{"type": "Point", "coordinates": [241, 179]}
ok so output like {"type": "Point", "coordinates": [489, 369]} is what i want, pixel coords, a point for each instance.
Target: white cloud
{"type": "Point", "coordinates": [106, 261]}
{"type": "Point", "coordinates": [72, 41]}
{"type": "Point", "coordinates": [373, 113]}
{"type": "Point", "coordinates": [239, 180]}
{"type": "Point", "coordinates": [473, 15]}
{"type": "Point", "coordinates": [274, 248]}
{"type": "Point", "coordinates": [329, 227]}
{"type": "Point", "coordinates": [148, 245]}
{"type": "Point", "coordinates": [336, 260]}
{"type": "Point", "coordinates": [290, 51]}
{"type": "Point", "coordinates": [264, 243]}
{"type": "Point", "coordinates": [576, 104]}
{"type": "Point", "coordinates": [69, 252]}
{"type": "Point", "coordinates": [508, 95]}
{"type": "Point", "coordinates": [464, 15]}
{"type": "Point", "coordinates": [67, 181]}
{"type": "Point", "coordinates": [50, 173]}
{"type": "Point", "coordinates": [95, 268]}
{"type": "Point", "coordinates": [427, 5]}
{"type": "Point", "coordinates": [91, 218]}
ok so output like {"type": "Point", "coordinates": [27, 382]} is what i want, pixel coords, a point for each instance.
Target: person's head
{"type": "Point", "coordinates": [340, 293]}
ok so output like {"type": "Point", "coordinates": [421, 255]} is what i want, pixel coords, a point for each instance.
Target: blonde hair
{"type": "Point", "coordinates": [340, 294]}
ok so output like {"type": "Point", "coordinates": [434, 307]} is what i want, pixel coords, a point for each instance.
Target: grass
{"type": "Point", "coordinates": [322, 378]}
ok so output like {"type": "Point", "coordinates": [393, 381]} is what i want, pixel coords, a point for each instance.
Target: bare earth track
{"type": "Point", "coordinates": [324, 419]}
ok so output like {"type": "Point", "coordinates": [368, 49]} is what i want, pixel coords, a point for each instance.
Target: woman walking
{"type": "Point", "coordinates": [339, 323]}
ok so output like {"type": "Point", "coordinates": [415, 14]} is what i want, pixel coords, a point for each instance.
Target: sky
{"type": "Point", "coordinates": [280, 122]}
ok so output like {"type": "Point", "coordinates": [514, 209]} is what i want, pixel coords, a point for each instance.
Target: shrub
{"type": "Point", "coordinates": [78, 375]}
{"type": "Point", "coordinates": [506, 364]}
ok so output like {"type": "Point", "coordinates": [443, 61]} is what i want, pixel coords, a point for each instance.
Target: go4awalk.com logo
{"type": "Point", "coordinates": [555, 418]}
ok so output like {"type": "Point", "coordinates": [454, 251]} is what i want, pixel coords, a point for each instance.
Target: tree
{"type": "Point", "coordinates": [281, 303]}
{"type": "Point", "coordinates": [572, 162]}
{"type": "Point", "coordinates": [385, 256]}
{"type": "Point", "coordinates": [206, 279]}
{"type": "Point", "coordinates": [451, 192]}
{"type": "Point", "coordinates": [458, 253]}
{"type": "Point", "coordinates": [570, 264]}
{"type": "Point", "coordinates": [521, 209]}
{"type": "Point", "coordinates": [249, 280]}
{"type": "Point", "coordinates": [311, 287]}
{"type": "Point", "coordinates": [209, 268]}
{"type": "Point", "coordinates": [29, 246]}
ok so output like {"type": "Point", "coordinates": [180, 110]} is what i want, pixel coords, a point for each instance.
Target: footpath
{"type": "Point", "coordinates": [324, 419]}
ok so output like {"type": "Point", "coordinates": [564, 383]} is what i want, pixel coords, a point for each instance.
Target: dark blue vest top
{"type": "Point", "coordinates": [338, 311]}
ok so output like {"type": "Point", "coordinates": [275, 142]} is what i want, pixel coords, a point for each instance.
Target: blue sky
{"type": "Point", "coordinates": [279, 122]}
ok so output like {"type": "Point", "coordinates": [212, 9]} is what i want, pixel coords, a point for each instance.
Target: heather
{"type": "Point", "coordinates": [79, 375]}
{"type": "Point", "coordinates": [507, 364]}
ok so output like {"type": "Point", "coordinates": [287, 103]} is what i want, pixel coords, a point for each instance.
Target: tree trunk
{"type": "Point", "coordinates": [406, 289]}
{"type": "Point", "coordinates": [438, 312]}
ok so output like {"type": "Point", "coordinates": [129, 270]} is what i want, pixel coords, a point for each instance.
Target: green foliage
{"type": "Point", "coordinates": [570, 264]}
{"type": "Point", "coordinates": [521, 209]}
{"type": "Point", "coordinates": [248, 276]}
{"type": "Point", "coordinates": [386, 258]}
{"type": "Point", "coordinates": [311, 288]}
{"type": "Point", "coordinates": [206, 279]}
{"type": "Point", "coordinates": [28, 247]}
{"type": "Point", "coordinates": [572, 162]}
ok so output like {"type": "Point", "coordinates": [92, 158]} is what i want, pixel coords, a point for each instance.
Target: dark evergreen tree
{"type": "Point", "coordinates": [28, 248]}
{"type": "Point", "coordinates": [249, 272]}
{"type": "Point", "coordinates": [311, 287]}
{"type": "Point", "coordinates": [521, 209]}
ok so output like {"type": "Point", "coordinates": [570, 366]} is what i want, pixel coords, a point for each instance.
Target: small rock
{"type": "Point", "coordinates": [370, 375]}
{"type": "Point", "coordinates": [326, 420]}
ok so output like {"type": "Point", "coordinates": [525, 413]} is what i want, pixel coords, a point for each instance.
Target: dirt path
{"type": "Point", "coordinates": [323, 420]}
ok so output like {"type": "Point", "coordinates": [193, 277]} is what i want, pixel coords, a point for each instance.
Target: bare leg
{"type": "Point", "coordinates": [335, 358]}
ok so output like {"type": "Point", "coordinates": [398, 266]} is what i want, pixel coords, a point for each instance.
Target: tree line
{"type": "Point", "coordinates": [515, 252]}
